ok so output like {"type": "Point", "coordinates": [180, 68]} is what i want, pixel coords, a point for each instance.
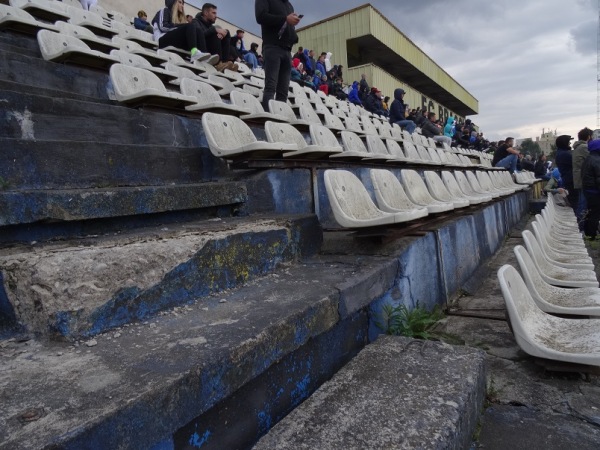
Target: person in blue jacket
{"type": "Point", "coordinates": [353, 94]}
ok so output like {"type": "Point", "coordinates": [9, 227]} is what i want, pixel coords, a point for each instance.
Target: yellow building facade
{"type": "Point", "coordinates": [364, 41]}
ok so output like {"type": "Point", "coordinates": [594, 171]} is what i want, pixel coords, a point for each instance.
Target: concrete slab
{"type": "Point", "coordinates": [518, 427]}
{"type": "Point", "coordinates": [133, 387]}
{"type": "Point", "coordinates": [397, 393]}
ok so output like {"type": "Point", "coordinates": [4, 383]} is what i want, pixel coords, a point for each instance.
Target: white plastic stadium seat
{"type": "Point", "coordinates": [229, 137]}
{"type": "Point", "coordinates": [17, 19]}
{"type": "Point", "coordinates": [59, 47]}
{"type": "Point", "coordinates": [134, 86]}
{"type": "Point", "coordinates": [165, 75]}
{"type": "Point", "coordinates": [285, 111]}
{"type": "Point", "coordinates": [453, 187]}
{"type": "Point", "coordinates": [257, 113]}
{"type": "Point", "coordinates": [543, 335]}
{"type": "Point", "coordinates": [559, 276]}
{"type": "Point", "coordinates": [94, 42]}
{"type": "Point", "coordinates": [391, 197]}
{"type": "Point", "coordinates": [43, 9]}
{"type": "Point", "coordinates": [91, 21]}
{"type": "Point", "coordinates": [561, 256]}
{"type": "Point", "coordinates": [533, 245]}
{"type": "Point", "coordinates": [438, 190]}
{"type": "Point", "coordinates": [415, 188]}
{"type": "Point", "coordinates": [351, 204]}
{"type": "Point", "coordinates": [474, 182]}
{"type": "Point", "coordinates": [354, 145]}
{"type": "Point", "coordinates": [135, 48]}
{"type": "Point", "coordinates": [554, 299]}
{"type": "Point", "coordinates": [286, 133]}
{"type": "Point", "coordinates": [207, 98]}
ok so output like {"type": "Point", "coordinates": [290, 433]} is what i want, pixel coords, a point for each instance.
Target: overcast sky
{"type": "Point", "coordinates": [531, 63]}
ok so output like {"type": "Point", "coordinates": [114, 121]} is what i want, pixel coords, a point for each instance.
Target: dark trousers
{"type": "Point", "coordinates": [216, 46]}
{"type": "Point", "coordinates": [278, 69]}
{"type": "Point", "coordinates": [186, 37]}
{"type": "Point", "coordinates": [593, 218]}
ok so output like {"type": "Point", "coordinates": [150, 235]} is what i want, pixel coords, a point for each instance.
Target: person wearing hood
{"type": "Point", "coordinates": [309, 63]}
{"type": "Point", "coordinates": [449, 128]}
{"type": "Point", "coordinates": [580, 152]}
{"type": "Point", "coordinates": [564, 162]}
{"type": "Point", "coordinates": [320, 65]}
{"type": "Point", "coordinates": [398, 112]}
{"type": "Point", "coordinates": [353, 95]}
{"type": "Point", "coordinates": [277, 21]}
{"type": "Point", "coordinates": [328, 65]}
{"type": "Point", "coordinates": [251, 57]}
{"type": "Point", "coordinates": [171, 28]}
{"type": "Point", "coordinates": [555, 183]}
{"type": "Point", "coordinates": [590, 184]}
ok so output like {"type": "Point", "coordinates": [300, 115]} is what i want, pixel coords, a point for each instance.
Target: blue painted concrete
{"type": "Point", "coordinates": [280, 191]}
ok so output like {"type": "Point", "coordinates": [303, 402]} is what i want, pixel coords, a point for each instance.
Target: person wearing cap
{"type": "Point", "coordinates": [506, 155]}
{"type": "Point", "coordinates": [372, 102]}
{"type": "Point", "coordinates": [590, 184]}
{"type": "Point", "coordinates": [580, 152]}
{"type": "Point", "coordinates": [398, 112]}
{"type": "Point", "coordinates": [564, 162]}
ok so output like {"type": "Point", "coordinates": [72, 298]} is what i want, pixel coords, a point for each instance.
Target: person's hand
{"type": "Point", "coordinates": [293, 19]}
{"type": "Point", "coordinates": [221, 33]}
{"type": "Point", "coordinates": [561, 191]}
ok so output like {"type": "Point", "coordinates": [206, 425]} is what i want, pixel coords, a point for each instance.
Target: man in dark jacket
{"type": "Point", "coordinates": [277, 21]}
{"type": "Point", "coordinates": [580, 152]}
{"type": "Point", "coordinates": [431, 130]}
{"type": "Point", "coordinates": [505, 155]}
{"type": "Point", "coordinates": [564, 162]}
{"type": "Point", "coordinates": [217, 38]}
{"type": "Point", "coordinates": [363, 87]}
{"type": "Point", "coordinates": [398, 114]}
{"type": "Point", "coordinates": [372, 102]}
{"type": "Point", "coordinates": [590, 182]}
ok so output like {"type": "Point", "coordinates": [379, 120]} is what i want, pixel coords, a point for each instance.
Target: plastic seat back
{"type": "Point", "coordinates": [282, 109]}
{"type": "Point", "coordinates": [285, 133]}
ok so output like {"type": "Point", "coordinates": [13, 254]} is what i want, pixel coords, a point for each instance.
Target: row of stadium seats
{"type": "Point", "coordinates": [557, 277]}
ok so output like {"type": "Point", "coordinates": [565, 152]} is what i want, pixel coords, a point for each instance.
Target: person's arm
{"type": "Point", "coordinates": [265, 17]}
{"type": "Point", "coordinates": [512, 150]}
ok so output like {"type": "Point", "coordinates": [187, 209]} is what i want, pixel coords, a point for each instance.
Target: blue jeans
{"type": "Point", "coordinates": [251, 59]}
{"type": "Point", "coordinates": [408, 124]}
{"type": "Point", "coordinates": [509, 162]}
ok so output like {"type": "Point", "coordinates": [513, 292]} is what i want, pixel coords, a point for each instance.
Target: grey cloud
{"type": "Point", "coordinates": [584, 38]}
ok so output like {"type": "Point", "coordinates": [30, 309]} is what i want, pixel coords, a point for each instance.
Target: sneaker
{"type": "Point", "coordinates": [199, 56]}
{"type": "Point", "coordinates": [213, 60]}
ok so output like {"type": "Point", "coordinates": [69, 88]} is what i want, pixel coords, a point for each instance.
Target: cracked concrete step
{"type": "Point", "coordinates": [137, 385]}
{"type": "Point", "coordinates": [56, 118]}
{"type": "Point", "coordinates": [83, 288]}
{"type": "Point", "coordinates": [41, 164]}
{"type": "Point", "coordinates": [25, 207]}
{"type": "Point", "coordinates": [397, 393]}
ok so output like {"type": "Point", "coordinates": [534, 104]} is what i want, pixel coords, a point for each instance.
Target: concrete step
{"type": "Point", "coordinates": [31, 206]}
{"type": "Point", "coordinates": [26, 67]}
{"type": "Point", "coordinates": [20, 43]}
{"type": "Point", "coordinates": [38, 117]}
{"type": "Point", "coordinates": [74, 289]}
{"type": "Point", "coordinates": [40, 164]}
{"type": "Point", "coordinates": [144, 386]}
{"type": "Point", "coordinates": [397, 393]}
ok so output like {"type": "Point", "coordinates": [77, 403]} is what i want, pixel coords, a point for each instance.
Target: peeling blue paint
{"type": "Point", "coordinates": [199, 440]}
{"type": "Point", "coordinates": [301, 391]}
{"type": "Point", "coordinates": [265, 422]}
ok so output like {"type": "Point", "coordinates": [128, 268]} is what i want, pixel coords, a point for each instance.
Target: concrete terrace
{"type": "Point", "coordinates": [154, 296]}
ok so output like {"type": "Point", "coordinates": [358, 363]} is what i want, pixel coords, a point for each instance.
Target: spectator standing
{"type": "Point", "coordinates": [580, 153]}
{"type": "Point", "coordinates": [320, 64]}
{"type": "Point", "coordinates": [590, 182]}
{"type": "Point", "coordinates": [141, 22]}
{"type": "Point", "coordinates": [505, 156]}
{"type": "Point", "coordinates": [431, 130]}
{"type": "Point", "coordinates": [277, 21]}
{"type": "Point", "coordinates": [449, 129]}
{"type": "Point", "coordinates": [363, 87]}
{"type": "Point", "coordinates": [398, 112]}
{"type": "Point", "coordinates": [311, 61]}
{"type": "Point", "coordinates": [564, 162]}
